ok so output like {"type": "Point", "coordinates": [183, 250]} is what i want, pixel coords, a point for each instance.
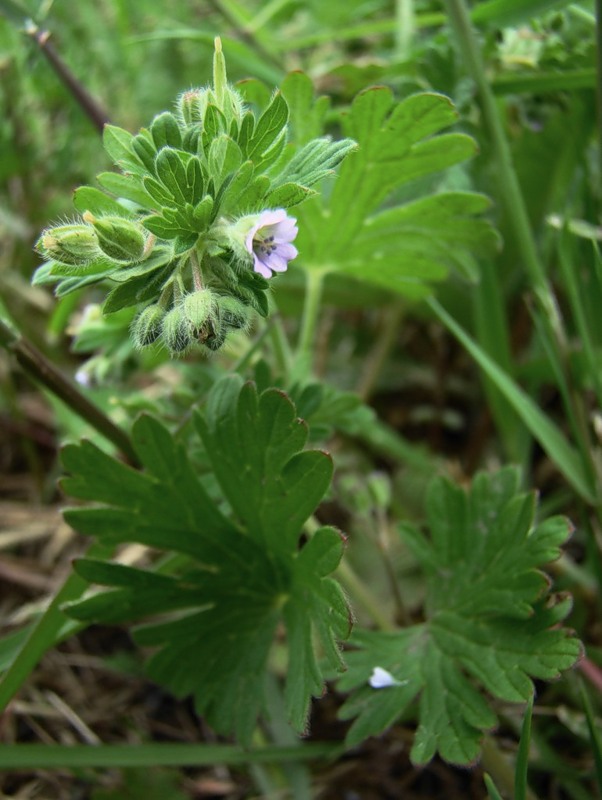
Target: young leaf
{"type": "Point", "coordinates": [315, 161]}
{"type": "Point", "coordinates": [166, 131]}
{"type": "Point", "coordinates": [87, 198]}
{"type": "Point", "coordinates": [270, 127]}
{"type": "Point", "coordinates": [135, 290]}
{"type": "Point", "coordinates": [171, 171]}
{"type": "Point", "coordinates": [245, 571]}
{"type": "Point", "coordinates": [490, 621]}
{"type": "Point", "coordinates": [288, 195]}
{"type": "Point", "coordinates": [307, 117]}
{"type": "Point", "coordinates": [129, 187]}
{"type": "Point", "coordinates": [118, 144]}
{"type": "Point", "coordinates": [402, 248]}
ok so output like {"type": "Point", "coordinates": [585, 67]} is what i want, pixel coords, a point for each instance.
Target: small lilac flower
{"type": "Point", "coordinates": [269, 242]}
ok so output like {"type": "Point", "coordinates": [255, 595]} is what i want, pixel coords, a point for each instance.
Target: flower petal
{"type": "Point", "coordinates": [288, 251]}
{"type": "Point", "coordinates": [277, 263]}
{"type": "Point", "coordinates": [261, 268]}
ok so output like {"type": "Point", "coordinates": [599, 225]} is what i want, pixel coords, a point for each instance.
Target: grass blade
{"type": "Point", "coordinates": [593, 735]}
{"type": "Point", "coordinates": [522, 758]}
{"type": "Point", "coordinates": [493, 792]}
{"type": "Point", "coordinates": [549, 436]}
{"type": "Point", "coordinates": [42, 756]}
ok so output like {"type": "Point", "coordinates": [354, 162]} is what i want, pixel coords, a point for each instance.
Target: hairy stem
{"type": "Point", "coordinates": [90, 106]}
{"type": "Point", "coordinates": [38, 367]}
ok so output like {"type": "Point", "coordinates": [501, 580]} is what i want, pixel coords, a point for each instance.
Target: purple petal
{"type": "Point", "coordinates": [261, 268]}
{"type": "Point", "coordinates": [288, 251]}
{"type": "Point", "coordinates": [277, 263]}
{"type": "Point", "coordinates": [286, 231]}
{"type": "Point", "coordinates": [271, 217]}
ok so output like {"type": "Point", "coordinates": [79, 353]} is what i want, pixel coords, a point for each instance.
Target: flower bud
{"type": "Point", "coordinates": [175, 331]}
{"type": "Point", "coordinates": [215, 339]}
{"type": "Point", "coordinates": [147, 326]}
{"type": "Point", "coordinates": [191, 106]}
{"type": "Point", "coordinates": [119, 238]}
{"type": "Point", "coordinates": [70, 244]}
{"type": "Point", "coordinates": [232, 312]}
{"type": "Point", "coordinates": [198, 309]}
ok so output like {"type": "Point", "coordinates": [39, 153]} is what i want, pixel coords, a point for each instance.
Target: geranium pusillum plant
{"type": "Point", "coordinates": [198, 223]}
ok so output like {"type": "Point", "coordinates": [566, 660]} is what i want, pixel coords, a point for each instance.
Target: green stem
{"type": "Point", "coordinates": [599, 79]}
{"type": "Point", "coordinates": [90, 106]}
{"type": "Point", "coordinates": [380, 351]}
{"type": "Point", "coordinates": [509, 187]}
{"type": "Point", "coordinates": [39, 368]}
{"type": "Point", "coordinates": [313, 297]}
{"type": "Point", "coordinates": [406, 24]}
{"type": "Point", "coordinates": [280, 346]}
{"type": "Point", "coordinates": [364, 597]}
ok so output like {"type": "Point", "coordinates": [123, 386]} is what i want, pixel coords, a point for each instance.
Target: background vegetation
{"type": "Point", "coordinates": [501, 364]}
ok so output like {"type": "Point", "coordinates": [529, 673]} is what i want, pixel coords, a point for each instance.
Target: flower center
{"type": "Point", "coordinates": [264, 246]}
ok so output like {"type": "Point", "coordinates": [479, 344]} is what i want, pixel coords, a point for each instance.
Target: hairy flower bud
{"type": "Point", "coordinates": [147, 326]}
{"type": "Point", "coordinates": [176, 332]}
{"type": "Point", "coordinates": [119, 238]}
{"type": "Point", "coordinates": [232, 312]}
{"type": "Point", "coordinates": [70, 244]}
{"type": "Point", "coordinates": [191, 106]}
{"type": "Point", "coordinates": [198, 309]}
{"type": "Point", "coordinates": [215, 339]}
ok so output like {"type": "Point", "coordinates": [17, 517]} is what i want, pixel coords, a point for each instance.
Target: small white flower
{"type": "Point", "coordinates": [381, 679]}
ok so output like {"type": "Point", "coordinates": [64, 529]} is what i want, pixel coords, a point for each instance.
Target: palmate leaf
{"type": "Point", "coordinates": [408, 245]}
{"type": "Point", "coordinates": [490, 622]}
{"type": "Point", "coordinates": [243, 569]}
